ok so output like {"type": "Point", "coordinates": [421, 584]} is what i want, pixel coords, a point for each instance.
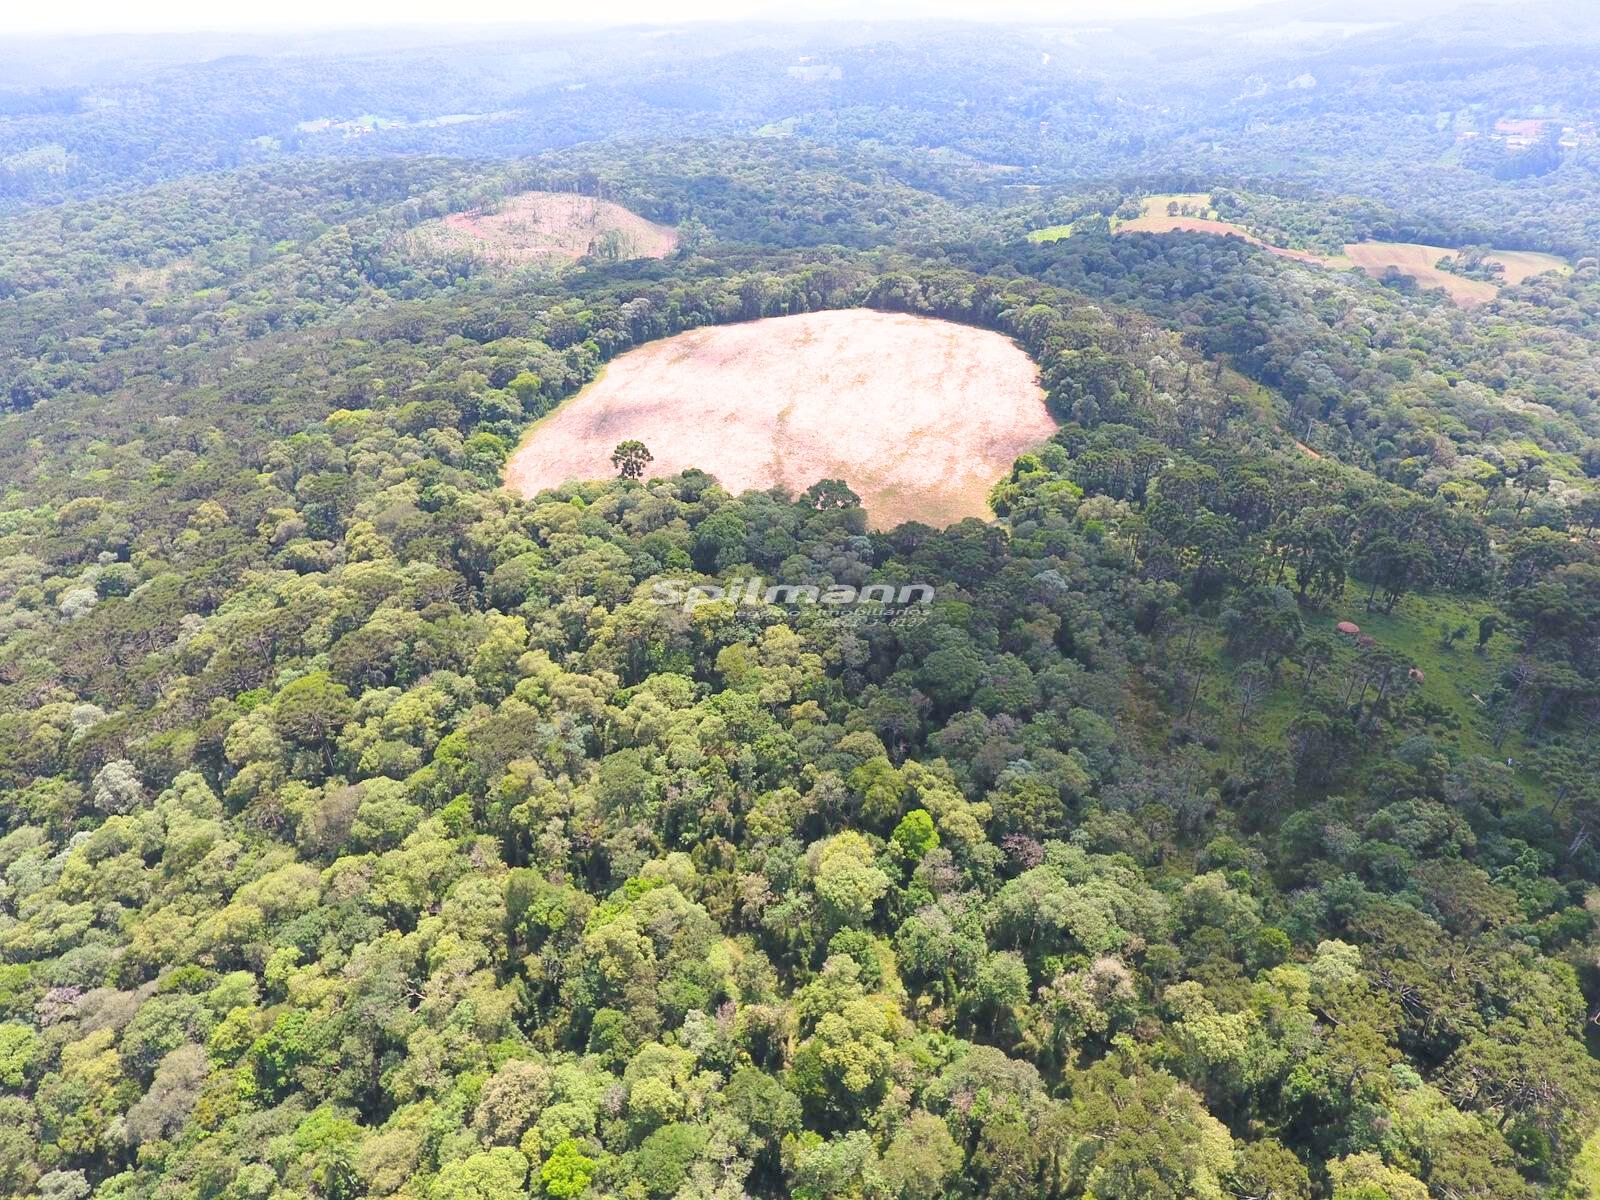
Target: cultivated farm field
{"type": "Point", "coordinates": [1155, 217]}
{"type": "Point", "coordinates": [919, 416]}
{"type": "Point", "coordinates": [1191, 212]}
{"type": "Point", "coordinates": [1525, 264]}
{"type": "Point", "coordinates": [1188, 212]}
{"type": "Point", "coordinates": [544, 227]}
{"type": "Point", "coordinates": [1420, 262]}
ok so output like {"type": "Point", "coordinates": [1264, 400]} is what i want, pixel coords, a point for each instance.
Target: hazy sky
{"type": "Point", "coordinates": [148, 16]}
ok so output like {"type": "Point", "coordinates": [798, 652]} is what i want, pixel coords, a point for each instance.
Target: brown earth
{"type": "Point", "coordinates": [919, 416]}
{"type": "Point", "coordinates": [1420, 262]}
{"type": "Point", "coordinates": [1522, 265]}
{"type": "Point", "coordinates": [1161, 223]}
{"type": "Point", "coordinates": [543, 226]}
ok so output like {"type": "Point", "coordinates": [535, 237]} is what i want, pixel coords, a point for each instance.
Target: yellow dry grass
{"type": "Point", "coordinates": [1421, 263]}
{"type": "Point", "coordinates": [1522, 265]}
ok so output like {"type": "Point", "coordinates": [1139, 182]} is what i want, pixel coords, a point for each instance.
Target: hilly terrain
{"type": "Point", "coordinates": [1192, 799]}
{"type": "Point", "coordinates": [918, 417]}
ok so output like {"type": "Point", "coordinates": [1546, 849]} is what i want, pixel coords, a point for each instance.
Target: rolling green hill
{"type": "Point", "coordinates": [369, 829]}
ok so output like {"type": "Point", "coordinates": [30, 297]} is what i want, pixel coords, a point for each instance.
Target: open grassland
{"type": "Point", "coordinates": [1194, 214]}
{"type": "Point", "coordinates": [1050, 233]}
{"type": "Point", "coordinates": [1456, 678]}
{"type": "Point", "coordinates": [1166, 224]}
{"type": "Point", "coordinates": [1194, 211]}
{"type": "Point", "coordinates": [1525, 264]}
{"type": "Point", "coordinates": [919, 416]}
{"type": "Point", "coordinates": [544, 227]}
{"type": "Point", "coordinates": [1154, 209]}
{"type": "Point", "coordinates": [1188, 212]}
{"type": "Point", "coordinates": [1420, 263]}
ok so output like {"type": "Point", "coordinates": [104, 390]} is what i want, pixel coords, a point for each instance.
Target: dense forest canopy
{"type": "Point", "coordinates": [1223, 827]}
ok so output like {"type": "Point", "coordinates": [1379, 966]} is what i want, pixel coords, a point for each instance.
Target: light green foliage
{"type": "Point", "coordinates": [497, 1174]}
{"type": "Point", "coordinates": [368, 829]}
{"type": "Point", "coordinates": [566, 1172]}
{"type": "Point", "coordinates": [1367, 1177]}
{"type": "Point", "coordinates": [846, 877]}
{"type": "Point", "coordinates": [19, 1050]}
{"type": "Point", "coordinates": [915, 834]}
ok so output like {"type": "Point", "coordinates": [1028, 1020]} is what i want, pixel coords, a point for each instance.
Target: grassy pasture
{"type": "Point", "coordinates": [1195, 215]}
{"type": "Point", "coordinates": [1050, 233]}
{"type": "Point", "coordinates": [1420, 262]}
{"type": "Point", "coordinates": [1154, 218]}
{"type": "Point", "coordinates": [1455, 675]}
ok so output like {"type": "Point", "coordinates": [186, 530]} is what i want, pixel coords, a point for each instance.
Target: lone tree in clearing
{"type": "Point", "coordinates": [830, 494]}
{"type": "Point", "coordinates": [630, 459]}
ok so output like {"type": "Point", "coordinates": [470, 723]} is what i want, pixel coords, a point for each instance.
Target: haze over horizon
{"type": "Point", "coordinates": [90, 17]}
{"type": "Point", "coordinates": [711, 600]}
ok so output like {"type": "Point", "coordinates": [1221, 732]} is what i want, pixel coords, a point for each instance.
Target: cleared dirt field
{"type": "Point", "coordinates": [1166, 224]}
{"type": "Point", "coordinates": [1420, 262]}
{"type": "Point", "coordinates": [1521, 265]}
{"type": "Point", "coordinates": [1154, 218]}
{"type": "Point", "coordinates": [919, 416]}
{"type": "Point", "coordinates": [544, 227]}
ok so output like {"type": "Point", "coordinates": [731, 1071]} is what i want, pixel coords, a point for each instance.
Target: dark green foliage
{"type": "Point", "coordinates": [367, 830]}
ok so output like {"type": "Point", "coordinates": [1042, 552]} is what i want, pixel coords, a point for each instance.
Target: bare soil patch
{"type": "Point", "coordinates": [1161, 223]}
{"type": "Point", "coordinates": [1192, 214]}
{"type": "Point", "coordinates": [919, 416]}
{"type": "Point", "coordinates": [544, 227]}
{"type": "Point", "coordinates": [1522, 265]}
{"type": "Point", "coordinates": [1421, 263]}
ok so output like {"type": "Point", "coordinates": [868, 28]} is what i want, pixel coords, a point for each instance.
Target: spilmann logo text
{"type": "Point", "coordinates": [756, 590]}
